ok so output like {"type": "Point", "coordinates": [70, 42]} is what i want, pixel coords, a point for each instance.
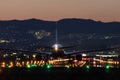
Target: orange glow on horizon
{"type": "Point", "coordinates": [52, 10]}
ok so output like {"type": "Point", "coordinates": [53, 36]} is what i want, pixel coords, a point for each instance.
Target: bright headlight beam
{"type": "Point", "coordinates": [56, 47]}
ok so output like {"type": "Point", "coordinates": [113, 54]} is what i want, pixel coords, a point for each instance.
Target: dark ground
{"type": "Point", "coordinates": [60, 74]}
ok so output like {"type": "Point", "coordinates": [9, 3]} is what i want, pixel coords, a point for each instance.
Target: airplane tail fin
{"type": "Point", "coordinates": [56, 34]}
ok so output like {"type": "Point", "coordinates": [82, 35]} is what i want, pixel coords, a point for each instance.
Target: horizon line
{"type": "Point", "coordinates": [57, 20]}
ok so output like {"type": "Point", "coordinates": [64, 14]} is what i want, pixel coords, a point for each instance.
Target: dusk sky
{"type": "Point", "coordinates": [99, 10]}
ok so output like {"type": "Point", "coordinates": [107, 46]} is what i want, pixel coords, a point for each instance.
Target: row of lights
{"type": "Point", "coordinates": [106, 67]}
{"type": "Point", "coordinates": [49, 66]}
{"type": "Point", "coordinates": [28, 65]}
{"type": "Point", "coordinates": [21, 64]}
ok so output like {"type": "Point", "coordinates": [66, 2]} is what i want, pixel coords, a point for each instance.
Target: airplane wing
{"type": "Point", "coordinates": [92, 50]}
{"type": "Point", "coordinates": [46, 47]}
{"type": "Point", "coordinates": [69, 46]}
{"type": "Point", "coordinates": [44, 53]}
{"type": "Point", "coordinates": [26, 51]}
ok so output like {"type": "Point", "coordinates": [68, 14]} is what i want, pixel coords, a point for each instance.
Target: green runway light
{"type": "Point", "coordinates": [87, 66]}
{"type": "Point", "coordinates": [42, 65]}
{"type": "Point", "coordinates": [48, 66]}
{"type": "Point", "coordinates": [107, 67]}
{"type": "Point", "coordinates": [9, 66]}
{"type": "Point", "coordinates": [28, 66]}
{"type": "Point", "coordinates": [33, 65]}
{"type": "Point", "coordinates": [67, 66]}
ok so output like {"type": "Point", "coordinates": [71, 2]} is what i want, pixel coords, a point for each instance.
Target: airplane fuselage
{"type": "Point", "coordinates": [57, 51]}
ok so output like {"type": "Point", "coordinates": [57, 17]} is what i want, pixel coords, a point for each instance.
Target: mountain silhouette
{"type": "Point", "coordinates": [64, 25]}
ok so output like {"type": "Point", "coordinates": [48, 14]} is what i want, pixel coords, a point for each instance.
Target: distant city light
{"type": "Point", "coordinates": [4, 41]}
{"type": "Point", "coordinates": [107, 55]}
{"type": "Point", "coordinates": [84, 55]}
{"type": "Point", "coordinates": [34, 55]}
{"type": "Point", "coordinates": [40, 34]}
{"type": "Point", "coordinates": [14, 53]}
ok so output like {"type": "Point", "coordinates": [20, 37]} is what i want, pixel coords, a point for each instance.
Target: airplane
{"type": "Point", "coordinates": [57, 50]}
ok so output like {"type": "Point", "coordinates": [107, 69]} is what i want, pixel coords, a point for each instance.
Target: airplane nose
{"type": "Point", "coordinates": [56, 47]}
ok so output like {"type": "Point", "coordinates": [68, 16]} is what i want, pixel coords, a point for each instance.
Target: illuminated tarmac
{"type": "Point", "coordinates": [58, 69]}
{"type": "Point", "coordinates": [97, 69]}
{"type": "Point", "coordinates": [61, 63]}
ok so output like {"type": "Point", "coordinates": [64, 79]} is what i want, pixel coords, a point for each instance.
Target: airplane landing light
{"type": "Point", "coordinates": [56, 47]}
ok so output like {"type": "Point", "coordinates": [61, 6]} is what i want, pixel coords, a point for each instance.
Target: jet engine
{"type": "Point", "coordinates": [79, 57]}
